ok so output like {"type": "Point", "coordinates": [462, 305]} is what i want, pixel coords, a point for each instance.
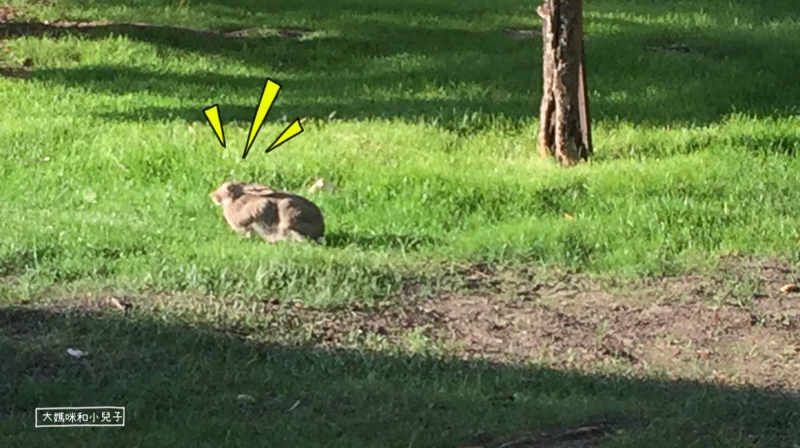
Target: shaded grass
{"type": "Point", "coordinates": [179, 383]}
{"type": "Point", "coordinates": [430, 60]}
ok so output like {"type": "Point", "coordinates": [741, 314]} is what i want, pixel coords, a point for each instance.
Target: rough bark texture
{"type": "Point", "coordinates": [583, 93]}
{"type": "Point", "coordinates": [564, 118]}
{"type": "Point", "coordinates": [548, 107]}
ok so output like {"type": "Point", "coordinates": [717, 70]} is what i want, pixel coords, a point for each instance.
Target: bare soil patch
{"type": "Point", "coordinates": [7, 13]}
{"type": "Point", "coordinates": [701, 327]}
{"type": "Point", "coordinates": [584, 436]}
{"type": "Point", "coordinates": [735, 326]}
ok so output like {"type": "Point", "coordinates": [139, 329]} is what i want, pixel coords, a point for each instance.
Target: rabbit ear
{"type": "Point", "coordinates": [235, 188]}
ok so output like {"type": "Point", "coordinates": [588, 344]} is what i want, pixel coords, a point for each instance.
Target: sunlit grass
{"type": "Point", "coordinates": [108, 161]}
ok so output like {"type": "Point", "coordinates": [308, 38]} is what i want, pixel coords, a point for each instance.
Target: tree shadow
{"type": "Point", "coordinates": [188, 385]}
{"type": "Point", "coordinates": [786, 143]}
{"type": "Point", "coordinates": [380, 241]}
{"type": "Point", "coordinates": [233, 11]}
{"type": "Point", "coordinates": [380, 65]}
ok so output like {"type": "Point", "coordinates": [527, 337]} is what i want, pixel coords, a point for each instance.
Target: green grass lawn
{"type": "Point", "coordinates": [424, 114]}
{"type": "Point", "coordinates": [109, 161]}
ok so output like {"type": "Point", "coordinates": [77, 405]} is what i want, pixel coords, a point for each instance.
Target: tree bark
{"type": "Point", "coordinates": [564, 126]}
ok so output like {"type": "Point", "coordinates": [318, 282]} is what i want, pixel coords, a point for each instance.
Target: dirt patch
{"type": "Point", "coordinates": [88, 304]}
{"type": "Point", "coordinates": [693, 326]}
{"type": "Point", "coordinates": [734, 326]}
{"type": "Point", "coordinates": [8, 13]}
{"type": "Point", "coordinates": [584, 436]}
{"type": "Point", "coordinates": [683, 340]}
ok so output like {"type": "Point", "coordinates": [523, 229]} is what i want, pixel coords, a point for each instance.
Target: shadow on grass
{"type": "Point", "coordinates": [787, 143]}
{"type": "Point", "coordinates": [462, 80]}
{"type": "Point", "coordinates": [180, 386]}
{"type": "Point", "coordinates": [380, 241]}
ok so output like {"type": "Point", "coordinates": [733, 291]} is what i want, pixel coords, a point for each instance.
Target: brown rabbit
{"type": "Point", "coordinates": [274, 215]}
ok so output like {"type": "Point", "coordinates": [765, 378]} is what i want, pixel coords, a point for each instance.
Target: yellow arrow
{"type": "Point", "coordinates": [293, 130]}
{"type": "Point", "coordinates": [268, 95]}
{"type": "Point", "coordinates": [212, 115]}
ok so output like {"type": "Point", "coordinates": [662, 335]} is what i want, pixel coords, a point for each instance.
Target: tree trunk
{"type": "Point", "coordinates": [564, 126]}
